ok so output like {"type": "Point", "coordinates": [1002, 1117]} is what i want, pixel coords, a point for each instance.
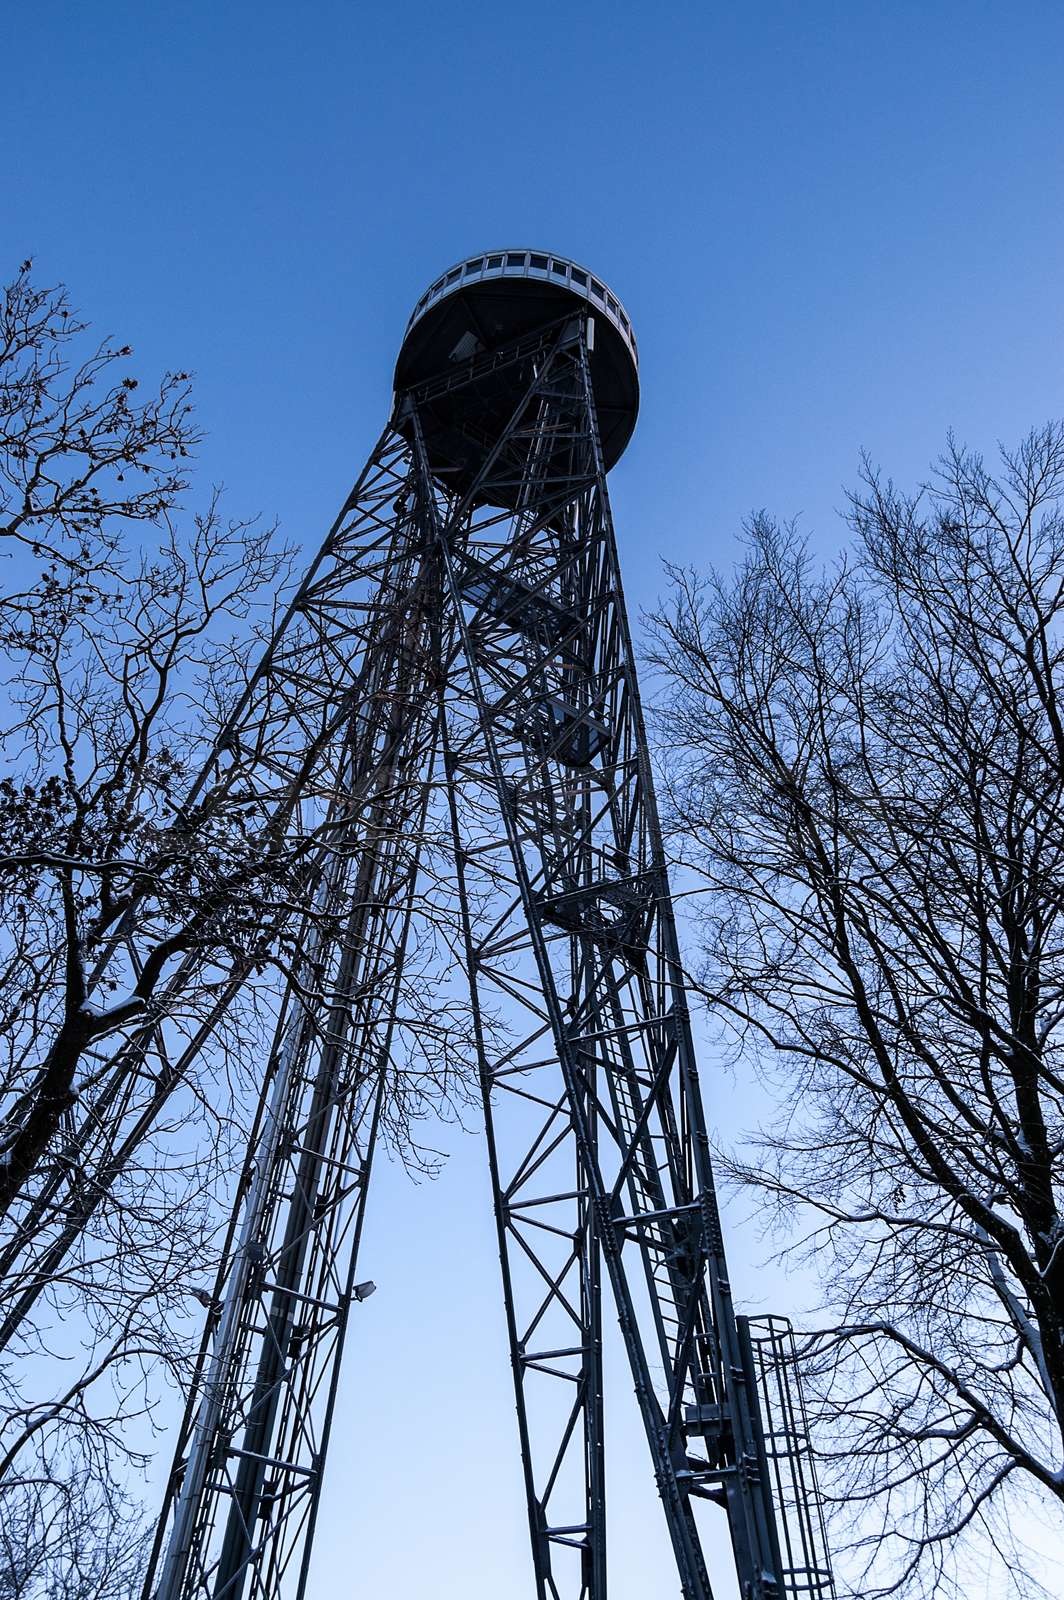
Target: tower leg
{"type": "Point", "coordinates": [576, 943]}
{"type": "Point", "coordinates": [551, 1277]}
{"type": "Point", "coordinates": [248, 1475]}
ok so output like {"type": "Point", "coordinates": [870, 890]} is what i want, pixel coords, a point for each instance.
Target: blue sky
{"type": "Point", "coordinates": [835, 227]}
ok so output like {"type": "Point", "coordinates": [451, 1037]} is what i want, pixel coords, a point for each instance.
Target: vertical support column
{"type": "Point", "coordinates": [581, 943]}
{"type": "Point", "coordinates": [245, 1498]}
{"type": "Point", "coordinates": [548, 1246]}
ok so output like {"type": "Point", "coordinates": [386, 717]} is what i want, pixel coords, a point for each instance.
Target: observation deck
{"type": "Point", "coordinates": [490, 303]}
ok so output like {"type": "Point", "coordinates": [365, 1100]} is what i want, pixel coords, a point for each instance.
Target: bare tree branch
{"type": "Point", "coordinates": [866, 783]}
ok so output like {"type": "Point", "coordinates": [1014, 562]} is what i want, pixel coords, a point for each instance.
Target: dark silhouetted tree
{"type": "Point", "coordinates": [866, 773]}
{"type": "Point", "coordinates": [156, 877]}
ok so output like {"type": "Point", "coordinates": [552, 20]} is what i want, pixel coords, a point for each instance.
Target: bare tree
{"type": "Point", "coordinates": [158, 863]}
{"type": "Point", "coordinates": [866, 772]}
{"type": "Point", "coordinates": [68, 1539]}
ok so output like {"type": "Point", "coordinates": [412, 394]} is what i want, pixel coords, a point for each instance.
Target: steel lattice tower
{"type": "Point", "coordinates": [471, 589]}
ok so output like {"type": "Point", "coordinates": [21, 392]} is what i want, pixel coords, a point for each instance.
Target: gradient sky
{"type": "Point", "coordinates": [835, 227]}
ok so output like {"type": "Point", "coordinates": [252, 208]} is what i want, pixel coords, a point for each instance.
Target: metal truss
{"type": "Point", "coordinates": [496, 670]}
{"type": "Point", "coordinates": [596, 1127]}
{"type": "Point", "coordinates": [242, 1497]}
{"type": "Point", "coordinates": [290, 727]}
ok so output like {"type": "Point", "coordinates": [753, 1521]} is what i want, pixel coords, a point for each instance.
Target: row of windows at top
{"type": "Point", "coordinates": [537, 263]}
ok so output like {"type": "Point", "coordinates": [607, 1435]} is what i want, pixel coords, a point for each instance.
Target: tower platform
{"type": "Point", "coordinates": [493, 302]}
